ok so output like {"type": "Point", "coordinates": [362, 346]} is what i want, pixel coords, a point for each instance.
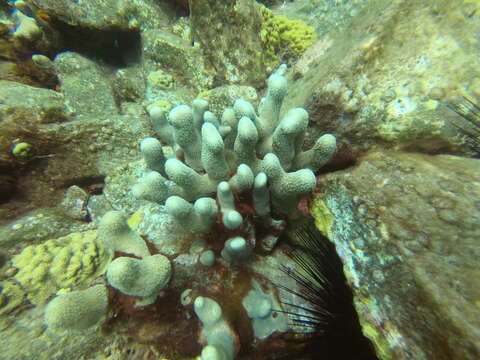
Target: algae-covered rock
{"type": "Point", "coordinates": [74, 203]}
{"type": "Point", "coordinates": [58, 264]}
{"type": "Point", "coordinates": [81, 80]}
{"type": "Point", "coordinates": [37, 226]}
{"type": "Point", "coordinates": [236, 56]}
{"type": "Point", "coordinates": [406, 228]}
{"type": "Point", "coordinates": [23, 105]}
{"type": "Point", "coordinates": [387, 81]}
{"type": "Point", "coordinates": [163, 50]}
{"type": "Point", "coordinates": [106, 14]}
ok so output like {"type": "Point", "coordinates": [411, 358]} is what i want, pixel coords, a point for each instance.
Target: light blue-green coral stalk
{"type": "Point", "coordinates": [154, 187]}
{"type": "Point", "coordinates": [186, 134]}
{"type": "Point", "coordinates": [245, 143]}
{"type": "Point", "coordinates": [213, 154]}
{"type": "Point", "coordinates": [285, 188]}
{"type": "Point", "coordinates": [215, 329]}
{"type": "Point", "coordinates": [197, 217]}
{"type": "Point", "coordinates": [243, 179]}
{"type": "Point", "coordinates": [213, 352]}
{"type": "Point", "coordinates": [153, 155]}
{"type": "Point", "coordinates": [261, 195]}
{"type": "Point", "coordinates": [236, 250]}
{"type": "Point", "coordinates": [77, 310]}
{"type": "Point", "coordinates": [158, 120]}
{"type": "Point", "coordinates": [140, 277]}
{"type": "Point", "coordinates": [269, 109]}
{"type": "Point", "coordinates": [232, 219]}
{"type": "Point", "coordinates": [287, 139]}
{"type": "Point", "coordinates": [143, 277]}
{"type": "Point", "coordinates": [116, 235]}
{"type": "Point", "coordinates": [256, 143]}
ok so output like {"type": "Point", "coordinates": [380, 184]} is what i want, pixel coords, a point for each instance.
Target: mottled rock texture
{"type": "Point", "coordinates": [79, 78]}
{"type": "Point", "coordinates": [406, 227]}
{"type": "Point", "coordinates": [386, 77]}
{"type": "Point", "coordinates": [163, 50]}
{"type": "Point", "coordinates": [106, 14]}
{"type": "Point", "coordinates": [43, 106]}
{"type": "Point", "coordinates": [228, 33]}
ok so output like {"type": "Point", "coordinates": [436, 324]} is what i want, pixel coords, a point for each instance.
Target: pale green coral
{"type": "Point", "coordinates": [59, 264]}
{"type": "Point", "coordinates": [284, 37]}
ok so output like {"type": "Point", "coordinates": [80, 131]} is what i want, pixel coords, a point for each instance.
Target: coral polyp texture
{"type": "Point", "coordinates": [252, 163]}
{"type": "Point", "coordinates": [77, 310]}
{"type": "Point", "coordinates": [59, 264]}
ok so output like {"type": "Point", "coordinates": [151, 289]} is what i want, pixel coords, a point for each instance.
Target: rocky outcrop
{"type": "Point", "coordinates": [406, 228]}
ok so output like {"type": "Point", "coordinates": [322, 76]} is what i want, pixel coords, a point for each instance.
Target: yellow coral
{"type": "Point", "coordinates": [285, 37]}
{"type": "Point", "coordinates": [11, 296]}
{"type": "Point", "coordinates": [59, 264]}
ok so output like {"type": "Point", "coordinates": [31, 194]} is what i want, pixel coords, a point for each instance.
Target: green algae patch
{"type": "Point", "coordinates": [59, 264]}
{"type": "Point", "coordinates": [323, 217]}
{"type": "Point", "coordinates": [381, 346]}
{"type": "Point", "coordinates": [135, 219]}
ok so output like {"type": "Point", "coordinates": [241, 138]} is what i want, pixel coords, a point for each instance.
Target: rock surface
{"type": "Point", "coordinates": [81, 78]}
{"type": "Point", "coordinates": [236, 56]}
{"type": "Point", "coordinates": [406, 227]}
{"type": "Point", "coordinates": [106, 14]}
{"type": "Point", "coordinates": [386, 83]}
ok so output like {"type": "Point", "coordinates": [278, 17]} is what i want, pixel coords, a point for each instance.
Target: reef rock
{"type": "Point", "coordinates": [406, 228]}
{"type": "Point", "coordinates": [104, 15]}
{"type": "Point", "coordinates": [359, 80]}
{"type": "Point", "coordinates": [237, 55]}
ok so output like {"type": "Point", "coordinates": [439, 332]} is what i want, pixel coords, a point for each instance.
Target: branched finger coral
{"type": "Point", "coordinates": [232, 182]}
{"type": "Point", "coordinates": [243, 157]}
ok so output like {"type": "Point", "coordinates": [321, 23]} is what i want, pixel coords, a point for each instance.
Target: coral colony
{"type": "Point", "coordinates": [236, 181]}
